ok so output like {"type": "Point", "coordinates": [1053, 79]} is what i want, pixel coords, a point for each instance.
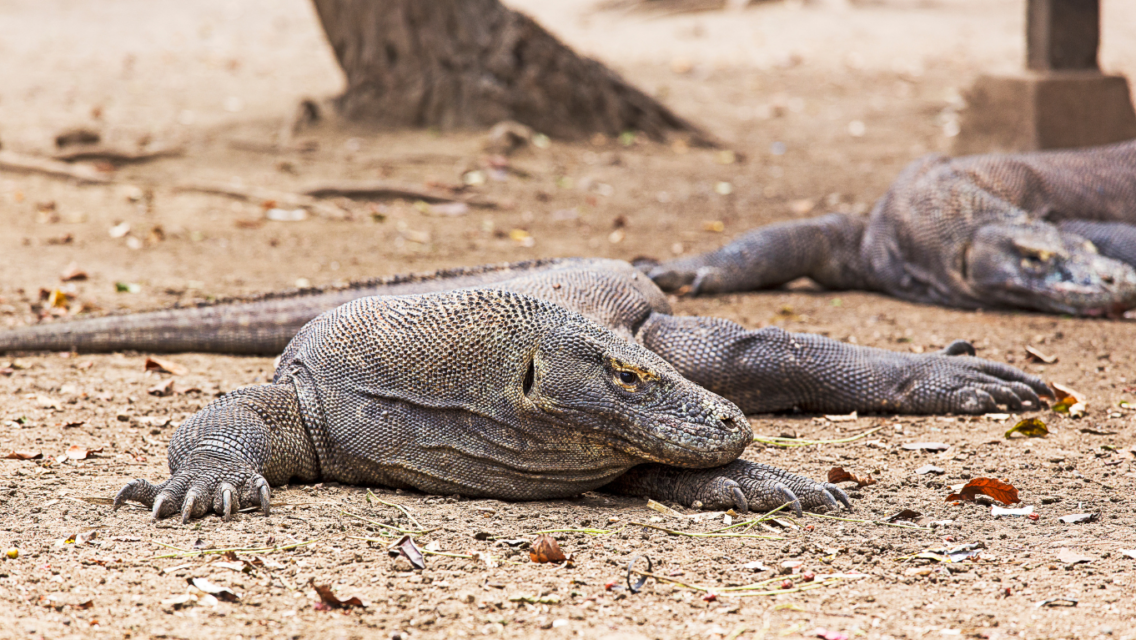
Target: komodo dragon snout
{"type": "Point", "coordinates": [634, 401]}
{"type": "Point", "coordinates": [1036, 265]}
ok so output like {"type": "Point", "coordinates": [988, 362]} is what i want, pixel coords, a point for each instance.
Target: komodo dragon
{"type": "Point", "coordinates": [485, 391]}
{"type": "Point", "coordinates": [1050, 231]}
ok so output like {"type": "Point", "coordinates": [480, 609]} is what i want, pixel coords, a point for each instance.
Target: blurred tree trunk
{"type": "Point", "coordinates": [473, 63]}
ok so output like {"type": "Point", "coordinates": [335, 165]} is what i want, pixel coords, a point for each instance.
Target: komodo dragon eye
{"type": "Point", "coordinates": [628, 377]}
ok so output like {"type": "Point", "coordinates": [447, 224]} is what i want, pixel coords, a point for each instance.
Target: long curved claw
{"type": "Point", "coordinates": [740, 502]}
{"type": "Point", "coordinates": [839, 494]}
{"type": "Point", "coordinates": [227, 492]}
{"type": "Point", "coordinates": [264, 495]}
{"type": "Point", "coordinates": [188, 506]}
{"type": "Point", "coordinates": [789, 498]}
{"type": "Point", "coordinates": [159, 502]}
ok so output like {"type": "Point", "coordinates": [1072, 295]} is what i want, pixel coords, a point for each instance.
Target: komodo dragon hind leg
{"type": "Point", "coordinates": [741, 485]}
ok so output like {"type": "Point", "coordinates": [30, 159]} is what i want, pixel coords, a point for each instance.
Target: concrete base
{"type": "Point", "coordinates": [1031, 111]}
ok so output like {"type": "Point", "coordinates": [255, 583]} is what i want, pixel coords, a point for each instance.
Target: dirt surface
{"type": "Point", "coordinates": [823, 103]}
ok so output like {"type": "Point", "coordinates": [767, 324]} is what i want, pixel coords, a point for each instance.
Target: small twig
{"type": "Point", "coordinates": [401, 508]}
{"type": "Point", "coordinates": [705, 535]}
{"type": "Point", "coordinates": [426, 551]}
{"type": "Point", "coordinates": [189, 553]}
{"type": "Point", "coordinates": [798, 442]}
{"type": "Point", "coordinates": [377, 189]}
{"type": "Point", "coordinates": [767, 516]}
{"type": "Point", "coordinates": [732, 591]}
{"type": "Point", "coordinates": [879, 522]}
{"type": "Point", "coordinates": [590, 532]}
{"type": "Point", "coordinates": [408, 532]}
{"type": "Point", "coordinates": [20, 163]}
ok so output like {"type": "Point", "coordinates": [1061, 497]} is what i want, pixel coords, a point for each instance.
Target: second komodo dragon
{"type": "Point", "coordinates": [1052, 231]}
{"type": "Point", "coordinates": [486, 391]}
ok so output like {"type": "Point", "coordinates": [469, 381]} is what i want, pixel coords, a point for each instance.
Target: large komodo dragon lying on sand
{"type": "Point", "coordinates": [482, 390]}
{"type": "Point", "coordinates": [1051, 231]}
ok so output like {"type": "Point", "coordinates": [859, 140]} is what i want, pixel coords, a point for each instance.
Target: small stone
{"type": "Point", "coordinates": [1050, 499]}
{"type": "Point", "coordinates": [402, 563]}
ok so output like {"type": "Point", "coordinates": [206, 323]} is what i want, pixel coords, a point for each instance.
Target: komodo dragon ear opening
{"type": "Point", "coordinates": [530, 377]}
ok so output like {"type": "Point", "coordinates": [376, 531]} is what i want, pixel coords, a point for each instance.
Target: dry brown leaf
{"type": "Point", "coordinates": [1003, 492]}
{"type": "Point", "coordinates": [215, 590]}
{"type": "Point", "coordinates": [166, 366]}
{"type": "Point", "coordinates": [328, 599]}
{"type": "Point", "coordinates": [838, 474]}
{"type": "Point", "coordinates": [1037, 355]}
{"type": "Point", "coordinates": [546, 549]}
{"type": "Point", "coordinates": [76, 452]}
{"type": "Point", "coordinates": [24, 455]}
{"type": "Point", "coordinates": [162, 389]}
{"type": "Point", "coordinates": [73, 272]}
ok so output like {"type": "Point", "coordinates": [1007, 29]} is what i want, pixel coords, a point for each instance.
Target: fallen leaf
{"type": "Point", "coordinates": [930, 468]}
{"type": "Point", "coordinates": [1030, 428]}
{"type": "Point", "coordinates": [162, 389]}
{"type": "Point", "coordinates": [1053, 602]}
{"type": "Point", "coordinates": [127, 287]}
{"type": "Point", "coordinates": [662, 508]}
{"type": "Point", "coordinates": [546, 549]}
{"type": "Point", "coordinates": [1068, 556]}
{"type": "Point", "coordinates": [757, 565]}
{"type": "Point", "coordinates": [906, 514]}
{"type": "Point", "coordinates": [838, 474]}
{"type": "Point", "coordinates": [1001, 491]}
{"type": "Point", "coordinates": [1131, 553]}
{"type": "Point", "coordinates": [1078, 518]}
{"type": "Point", "coordinates": [406, 548]}
{"type": "Point", "coordinates": [828, 635]}
{"type": "Point", "coordinates": [57, 299]}
{"type": "Point", "coordinates": [164, 366]}
{"type": "Point", "coordinates": [1036, 355]}
{"type": "Point", "coordinates": [73, 272]}
{"type": "Point", "coordinates": [843, 418]}
{"type": "Point", "coordinates": [215, 590]}
{"type": "Point", "coordinates": [926, 446]}
{"type": "Point", "coordinates": [330, 601]}
{"type": "Point", "coordinates": [76, 452]}
{"type": "Point", "coordinates": [24, 455]}
{"type": "Point", "coordinates": [1069, 401]}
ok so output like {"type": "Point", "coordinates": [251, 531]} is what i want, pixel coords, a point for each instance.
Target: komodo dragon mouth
{"type": "Point", "coordinates": [1035, 265]}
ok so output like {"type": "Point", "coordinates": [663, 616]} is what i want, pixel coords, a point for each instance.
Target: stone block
{"type": "Point", "coordinates": [1030, 111]}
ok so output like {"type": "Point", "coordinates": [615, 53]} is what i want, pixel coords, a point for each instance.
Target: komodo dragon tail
{"type": "Point", "coordinates": [260, 325]}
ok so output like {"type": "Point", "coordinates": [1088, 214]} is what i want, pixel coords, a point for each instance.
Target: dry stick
{"type": "Point", "coordinates": [190, 553]}
{"type": "Point", "coordinates": [797, 442]}
{"type": "Point", "coordinates": [767, 516]}
{"type": "Point", "coordinates": [590, 532]}
{"type": "Point", "coordinates": [731, 591]}
{"type": "Point", "coordinates": [880, 522]}
{"type": "Point", "coordinates": [372, 189]}
{"type": "Point", "coordinates": [260, 195]}
{"type": "Point", "coordinates": [391, 527]}
{"type": "Point", "coordinates": [20, 163]}
{"type": "Point", "coordinates": [426, 551]}
{"type": "Point", "coordinates": [401, 508]}
{"type": "Point", "coordinates": [705, 535]}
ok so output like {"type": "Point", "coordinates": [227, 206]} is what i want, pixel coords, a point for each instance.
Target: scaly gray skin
{"type": "Point", "coordinates": [482, 392]}
{"type": "Point", "coordinates": [761, 371]}
{"type": "Point", "coordinates": [1050, 231]}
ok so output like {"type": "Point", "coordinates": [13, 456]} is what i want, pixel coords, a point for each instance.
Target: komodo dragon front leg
{"type": "Point", "coordinates": [769, 369]}
{"type": "Point", "coordinates": [483, 392]}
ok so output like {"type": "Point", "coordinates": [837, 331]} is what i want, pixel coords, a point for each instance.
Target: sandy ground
{"type": "Point", "coordinates": [785, 84]}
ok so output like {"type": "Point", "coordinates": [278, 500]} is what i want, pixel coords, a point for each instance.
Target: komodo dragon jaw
{"type": "Point", "coordinates": [1034, 265]}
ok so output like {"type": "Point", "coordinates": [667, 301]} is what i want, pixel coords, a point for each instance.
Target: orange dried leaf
{"type": "Point", "coordinates": [546, 549]}
{"type": "Point", "coordinates": [838, 474]}
{"type": "Point", "coordinates": [166, 366]}
{"type": "Point", "coordinates": [1003, 492]}
{"type": "Point", "coordinates": [23, 455]}
{"type": "Point", "coordinates": [76, 452]}
{"type": "Point", "coordinates": [330, 601]}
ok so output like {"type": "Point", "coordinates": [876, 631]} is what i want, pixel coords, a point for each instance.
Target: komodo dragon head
{"type": "Point", "coordinates": [1034, 265]}
{"type": "Point", "coordinates": [630, 399]}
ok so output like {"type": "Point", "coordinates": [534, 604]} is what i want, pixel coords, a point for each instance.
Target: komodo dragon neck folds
{"type": "Point", "coordinates": [526, 380]}
{"type": "Point", "coordinates": [1050, 231]}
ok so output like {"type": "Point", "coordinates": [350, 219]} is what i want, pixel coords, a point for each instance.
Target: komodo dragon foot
{"type": "Point", "coordinates": [203, 483]}
{"type": "Point", "coordinates": [740, 485]}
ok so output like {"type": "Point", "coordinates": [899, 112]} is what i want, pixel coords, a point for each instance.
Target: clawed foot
{"type": "Point", "coordinates": [740, 485]}
{"type": "Point", "coordinates": [201, 484]}
{"type": "Point", "coordinates": [743, 485]}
